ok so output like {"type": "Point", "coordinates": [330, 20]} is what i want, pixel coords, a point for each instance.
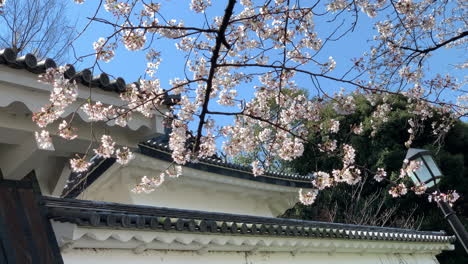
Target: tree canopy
{"type": "Point", "coordinates": [239, 56]}
{"type": "Point", "coordinates": [370, 203]}
{"type": "Point", "coordinates": [37, 27]}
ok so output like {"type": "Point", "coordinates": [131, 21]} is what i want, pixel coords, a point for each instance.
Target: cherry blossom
{"type": "Point", "coordinates": [64, 93]}
{"type": "Point", "coordinates": [273, 50]}
{"type": "Point", "coordinates": [329, 66]}
{"type": "Point", "coordinates": [174, 171]}
{"type": "Point", "coordinates": [322, 180]}
{"type": "Point", "coordinates": [177, 141]}
{"type": "Point", "coordinates": [257, 169]}
{"type": "Point", "coordinates": [335, 126]}
{"type": "Point", "coordinates": [405, 6]}
{"type": "Point", "coordinates": [117, 8]}
{"type": "Point", "coordinates": [95, 112]}
{"type": "Point", "coordinates": [134, 39]}
{"type": "Point", "coordinates": [309, 197]}
{"type": "Point", "coordinates": [104, 52]}
{"type": "Point", "coordinates": [148, 185]}
{"type": "Point", "coordinates": [344, 105]}
{"type": "Point", "coordinates": [79, 164]}
{"type": "Point", "coordinates": [398, 190]}
{"type": "Point", "coordinates": [44, 140]}
{"type": "Point", "coordinates": [124, 155]}
{"type": "Point", "coordinates": [200, 5]}
{"type": "Point", "coordinates": [358, 129]}
{"type": "Point", "coordinates": [409, 166]}
{"type": "Point", "coordinates": [419, 189]}
{"type": "Point", "coordinates": [207, 146]}
{"type": "Point", "coordinates": [336, 5]}
{"type": "Point", "coordinates": [66, 131]}
{"type": "Point", "coordinates": [451, 197]}
{"type": "Point", "coordinates": [107, 147]}
{"type": "Point", "coordinates": [380, 174]}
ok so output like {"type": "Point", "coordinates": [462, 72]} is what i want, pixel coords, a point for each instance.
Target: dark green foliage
{"type": "Point", "coordinates": [386, 149]}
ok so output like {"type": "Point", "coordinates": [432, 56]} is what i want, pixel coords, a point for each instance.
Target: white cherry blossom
{"type": "Point", "coordinates": [44, 140]}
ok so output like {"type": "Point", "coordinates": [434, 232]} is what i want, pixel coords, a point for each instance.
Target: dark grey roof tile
{"type": "Point", "coordinates": [29, 62]}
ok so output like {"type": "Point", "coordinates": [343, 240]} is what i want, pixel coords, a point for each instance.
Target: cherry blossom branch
{"type": "Point", "coordinates": [220, 39]}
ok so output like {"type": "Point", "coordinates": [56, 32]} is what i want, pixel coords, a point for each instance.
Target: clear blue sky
{"type": "Point", "coordinates": [131, 65]}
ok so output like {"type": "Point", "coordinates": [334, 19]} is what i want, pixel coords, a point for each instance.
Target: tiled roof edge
{"type": "Point", "coordinates": [156, 149]}
{"type": "Point", "coordinates": [122, 216]}
{"type": "Point", "coordinates": [29, 62]}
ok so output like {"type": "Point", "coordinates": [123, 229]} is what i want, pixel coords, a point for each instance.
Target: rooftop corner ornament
{"type": "Point", "coordinates": [429, 174]}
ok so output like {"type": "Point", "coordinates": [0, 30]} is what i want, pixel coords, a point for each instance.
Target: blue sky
{"type": "Point", "coordinates": [131, 65]}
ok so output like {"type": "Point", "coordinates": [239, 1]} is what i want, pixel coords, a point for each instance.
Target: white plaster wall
{"type": "Point", "coordinates": [115, 256]}
{"type": "Point", "coordinates": [177, 193]}
{"type": "Point", "coordinates": [194, 190]}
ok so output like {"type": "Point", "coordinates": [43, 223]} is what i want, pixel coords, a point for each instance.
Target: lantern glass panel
{"type": "Point", "coordinates": [423, 172]}
{"type": "Point", "coordinates": [433, 167]}
{"type": "Point", "coordinates": [413, 177]}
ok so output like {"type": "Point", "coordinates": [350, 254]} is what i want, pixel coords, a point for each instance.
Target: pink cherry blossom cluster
{"type": "Point", "coordinates": [451, 197]}
{"type": "Point", "coordinates": [134, 39]}
{"type": "Point", "coordinates": [44, 140]}
{"type": "Point", "coordinates": [124, 155]}
{"type": "Point", "coordinates": [398, 190]}
{"type": "Point", "coordinates": [199, 6]}
{"type": "Point", "coordinates": [308, 198]}
{"type": "Point", "coordinates": [66, 131]}
{"type": "Point", "coordinates": [104, 51]}
{"type": "Point", "coordinates": [349, 174]}
{"type": "Point", "coordinates": [257, 168]}
{"type": "Point", "coordinates": [79, 164]}
{"type": "Point", "coordinates": [148, 185]}
{"type": "Point", "coordinates": [178, 141]}
{"type": "Point", "coordinates": [107, 149]}
{"type": "Point", "coordinates": [322, 180]}
{"type": "Point", "coordinates": [409, 166]}
{"type": "Point", "coordinates": [358, 129]}
{"type": "Point", "coordinates": [419, 189]}
{"type": "Point", "coordinates": [380, 175]}
{"type": "Point", "coordinates": [344, 104]}
{"type": "Point", "coordinates": [64, 92]}
{"type": "Point", "coordinates": [117, 8]}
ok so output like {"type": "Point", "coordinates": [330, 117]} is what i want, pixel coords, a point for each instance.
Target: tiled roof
{"type": "Point", "coordinates": [29, 62]}
{"type": "Point", "coordinates": [158, 148]}
{"type": "Point", "coordinates": [121, 216]}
